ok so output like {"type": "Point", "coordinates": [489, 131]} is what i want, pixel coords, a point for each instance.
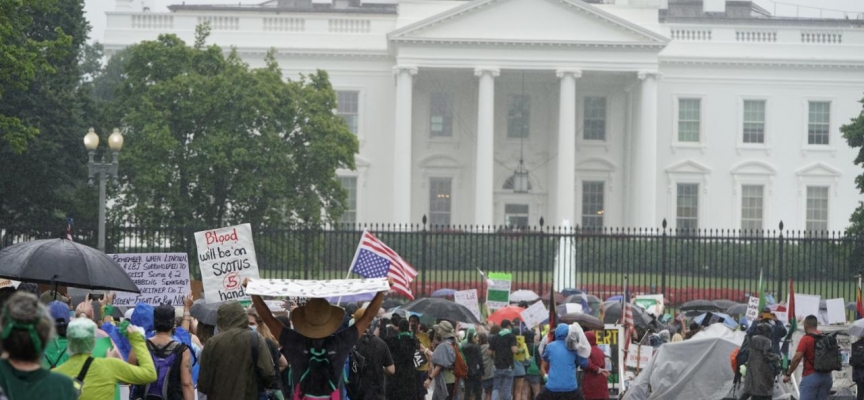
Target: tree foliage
{"type": "Point", "coordinates": [853, 132]}
{"type": "Point", "coordinates": [211, 141]}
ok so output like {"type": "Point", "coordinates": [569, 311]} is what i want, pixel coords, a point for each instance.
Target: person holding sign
{"type": "Point", "coordinates": [316, 351]}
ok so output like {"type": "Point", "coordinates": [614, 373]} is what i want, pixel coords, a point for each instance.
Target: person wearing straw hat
{"type": "Point", "coordinates": [316, 349]}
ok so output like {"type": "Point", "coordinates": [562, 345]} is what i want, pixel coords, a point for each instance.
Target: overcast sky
{"type": "Point", "coordinates": [95, 9]}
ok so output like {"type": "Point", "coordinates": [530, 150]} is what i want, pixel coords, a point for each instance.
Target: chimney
{"type": "Point", "coordinates": [714, 6]}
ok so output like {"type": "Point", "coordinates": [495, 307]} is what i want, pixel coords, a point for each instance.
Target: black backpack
{"type": "Point", "coordinates": [168, 361]}
{"type": "Point", "coordinates": [357, 383]}
{"type": "Point", "coordinates": [827, 353]}
{"type": "Point", "coordinates": [317, 381]}
{"type": "Point", "coordinates": [857, 358]}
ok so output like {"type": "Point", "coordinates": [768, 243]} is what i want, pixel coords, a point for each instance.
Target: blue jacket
{"type": "Point", "coordinates": [562, 362]}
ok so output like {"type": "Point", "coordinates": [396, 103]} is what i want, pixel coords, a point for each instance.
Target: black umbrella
{"type": "Point", "coordinates": [63, 262]}
{"type": "Point", "coordinates": [700, 305]}
{"type": "Point", "coordinates": [612, 314]}
{"type": "Point", "coordinates": [737, 309]}
{"type": "Point", "coordinates": [725, 304]}
{"type": "Point", "coordinates": [441, 309]}
{"type": "Point", "coordinates": [391, 303]}
{"type": "Point", "coordinates": [586, 321]}
{"type": "Point", "coordinates": [204, 312]}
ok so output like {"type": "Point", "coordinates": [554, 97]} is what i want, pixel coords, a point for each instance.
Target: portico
{"type": "Point", "coordinates": [561, 56]}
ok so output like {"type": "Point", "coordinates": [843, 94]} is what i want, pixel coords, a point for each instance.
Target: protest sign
{"type": "Point", "coordinates": [652, 303]}
{"type": "Point", "coordinates": [638, 356]}
{"type": "Point", "coordinates": [609, 340]}
{"type": "Point", "coordinates": [316, 289]}
{"type": "Point", "coordinates": [534, 315]}
{"type": "Point", "coordinates": [226, 256]}
{"type": "Point", "coordinates": [468, 298]}
{"type": "Point", "coordinates": [752, 309]}
{"type": "Point", "coordinates": [162, 278]}
{"type": "Point", "coordinates": [498, 291]}
{"type": "Point", "coordinates": [9, 283]}
{"type": "Point", "coordinates": [805, 305]}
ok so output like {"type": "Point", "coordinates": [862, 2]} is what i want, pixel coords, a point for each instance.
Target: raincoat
{"type": "Point", "coordinates": [594, 384]}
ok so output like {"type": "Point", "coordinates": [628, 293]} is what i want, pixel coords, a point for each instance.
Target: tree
{"type": "Point", "coordinates": [212, 142]}
{"type": "Point", "coordinates": [853, 132]}
{"type": "Point", "coordinates": [41, 119]}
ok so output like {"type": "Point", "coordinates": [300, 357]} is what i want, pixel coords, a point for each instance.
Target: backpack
{"type": "Point", "coordinates": [460, 368]}
{"type": "Point", "coordinates": [357, 384]}
{"type": "Point", "coordinates": [743, 354]}
{"type": "Point", "coordinates": [827, 353]}
{"type": "Point", "coordinates": [78, 382]}
{"type": "Point", "coordinates": [318, 380]}
{"type": "Point", "coordinates": [857, 358]}
{"type": "Point", "coordinates": [61, 357]}
{"type": "Point", "coordinates": [168, 362]}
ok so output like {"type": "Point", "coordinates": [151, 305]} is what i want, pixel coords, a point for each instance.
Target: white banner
{"type": "Point", "coordinates": [162, 278]}
{"type": "Point", "coordinates": [226, 256]}
{"type": "Point", "coordinates": [468, 298]}
{"type": "Point", "coordinates": [316, 289]}
{"type": "Point", "coordinates": [534, 315]}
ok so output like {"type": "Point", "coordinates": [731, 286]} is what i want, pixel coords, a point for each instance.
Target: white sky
{"type": "Point", "coordinates": [95, 9]}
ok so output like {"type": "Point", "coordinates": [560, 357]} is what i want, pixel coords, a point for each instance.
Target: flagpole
{"type": "Point", "coordinates": [353, 261]}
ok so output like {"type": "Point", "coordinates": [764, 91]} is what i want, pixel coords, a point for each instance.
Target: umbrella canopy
{"type": "Point", "coordinates": [738, 309]}
{"type": "Point", "coordinates": [63, 262]}
{"type": "Point", "coordinates": [441, 309]}
{"type": "Point", "coordinates": [857, 328]}
{"type": "Point", "coordinates": [508, 313]}
{"type": "Point", "coordinates": [204, 312]}
{"type": "Point", "coordinates": [612, 314]}
{"type": "Point", "coordinates": [593, 302]}
{"type": "Point", "coordinates": [851, 306]}
{"type": "Point", "coordinates": [720, 317]}
{"type": "Point", "coordinates": [700, 305]}
{"type": "Point", "coordinates": [443, 293]}
{"type": "Point", "coordinates": [617, 297]}
{"type": "Point", "coordinates": [523, 295]}
{"type": "Point", "coordinates": [586, 321]}
{"type": "Point", "coordinates": [725, 304]}
{"type": "Point", "coordinates": [391, 303]}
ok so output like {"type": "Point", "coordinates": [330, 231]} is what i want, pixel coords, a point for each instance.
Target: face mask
{"type": "Point", "coordinates": [254, 328]}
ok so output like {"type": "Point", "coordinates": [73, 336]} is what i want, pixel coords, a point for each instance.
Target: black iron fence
{"type": "Point", "coordinates": [682, 265]}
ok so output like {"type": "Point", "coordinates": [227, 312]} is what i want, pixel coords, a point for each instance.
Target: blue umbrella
{"type": "Point", "coordinates": [614, 298]}
{"type": "Point", "coordinates": [720, 317]}
{"type": "Point", "coordinates": [354, 298]}
{"type": "Point", "coordinates": [443, 293]}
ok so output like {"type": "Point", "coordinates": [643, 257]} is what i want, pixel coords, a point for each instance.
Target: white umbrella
{"type": "Point", "coordinates": [857, 328]}
{"type": "Point", "coordinates": [523, 295]}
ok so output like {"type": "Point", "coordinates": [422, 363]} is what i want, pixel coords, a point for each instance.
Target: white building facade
{"type": "Point", "coordinates": [710, 115]}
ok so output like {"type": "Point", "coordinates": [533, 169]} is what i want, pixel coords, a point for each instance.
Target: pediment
{"type": "Point", "coordinates": [596, 164]}
{"type": "Point", "coordinates": [439, 161]}
{"type": "Point", "coordinates": [754, 167]}
{"type": "Point", "coordinates": [529, 21]}
{"type": "Point", "coordinates": [818, 169]}
{"type": "Point", "coordinates": [688, 167]}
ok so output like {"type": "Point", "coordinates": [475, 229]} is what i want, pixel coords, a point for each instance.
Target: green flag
{"type": "Point", "coordinates": [762, 301]}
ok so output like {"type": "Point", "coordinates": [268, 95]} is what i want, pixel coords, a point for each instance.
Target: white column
{"type": "Point", "coordinates": [566, 200]}
{"type": "Point", "coordinates": [402, 145]}
{"type": "Point", "coordinates": [646, 146]}
{"type": "Point", "coordinates": [484, 213]}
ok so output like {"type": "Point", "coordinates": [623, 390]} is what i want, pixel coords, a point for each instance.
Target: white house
{"type": "Point", "coordinates": [710, 114]}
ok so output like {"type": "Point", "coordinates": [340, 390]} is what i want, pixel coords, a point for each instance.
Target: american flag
{"type": "Point", "coordinates": [69, 229]}
{"type": "Point", "coordinates": [375, 260]}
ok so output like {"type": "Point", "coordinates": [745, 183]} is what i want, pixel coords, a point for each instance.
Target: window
{"type": "Point", "coordinates": [754, 121]}
{"type": "Point", "coordinates": [592, 205]}
{"type": "Point", "coordinates": [751, 207]}
{"type": "Point", "coordinates": [441, 114]}
{"type": "Point", "coordinates": [347, 107]}
{"type": "Point", "coordinates": [687, 214]}
{"type": "Point", "coordinates": [518, 116]}
{"type": "Point", "coordinates": [440, 190]}
{"type": "Point", "coordinates": [817, 208]}
{"type": "Point", "coordinates": [516, 215]}
{"type": "Point", "coordinates": [689, 119]}
{"type": "Point", "coordinates": [594, 123]}
{"type": "Point", "coordinates": [349, 183]}
{"type": "Point", "coordinates": [819, 122]}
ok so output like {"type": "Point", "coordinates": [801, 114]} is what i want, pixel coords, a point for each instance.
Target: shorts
{"type": "Point", "coordinates": [487, 384]}
{"type": "Point", "coordinates": [518, 369]}
{"type": "Point", "coordinates": [534, 379]}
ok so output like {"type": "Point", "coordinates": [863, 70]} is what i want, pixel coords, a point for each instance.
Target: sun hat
{"type": "Point", "coordinates": [49, 296]}
{"type": "Point", "coordinates": [359, 313]}
{"type": "Point", "coordinates": [317, 319]}
{"type": "Point", "coordinates": [444, 329]}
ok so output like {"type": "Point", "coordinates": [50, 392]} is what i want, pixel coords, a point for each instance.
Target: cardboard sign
{"type": "Point", "coordinates": [162, 278]}
{"type": "Point", "coordinates": [752, 309]}
{"type": "Point", "coordinates": [498, 291]}
{"type": "Point", "coordinates": [226, 256]}
{"type": "Point", "coordinates": [316, 289]}
{"type": "Point", "coordinates": [534, 315]}
{"type": "Point", "coordinates": [805, 305]}
{"type": "Point", "coordinates": [639, 356]}
{"type": "Point", "coordinates": [468, 298]}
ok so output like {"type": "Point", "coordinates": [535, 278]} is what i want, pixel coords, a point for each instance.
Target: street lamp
{"type": "Point", "coordinates": [103, 169]}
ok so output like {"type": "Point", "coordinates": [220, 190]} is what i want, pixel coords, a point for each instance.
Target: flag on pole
{"type": "Point", "coordinates": [69, 237]}
{"type": "Point", "coordinates": [793, 324]}
{"type": "Point", "coordinates": [374, 259]}
{"type": "Point", "coordinates": [585, 307]}
{"type": "Point", "coordinates": [859, 305]}
{"type": "Point", "coordinates": [762, 301]}
{"type": "Point", "coordinates": [627, 316]}
{"type": "Point", "coordinates": [553, 315]}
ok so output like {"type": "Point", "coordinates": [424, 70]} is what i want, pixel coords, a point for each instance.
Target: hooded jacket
{"type": "Point", "coordinates": [759, 380]}
{"type": "Point", "coordinates": [594, 384]}
{"type": "Point", "coordinates": [226, 361]}
{"type": "Point", "coordinates": [562, 362]}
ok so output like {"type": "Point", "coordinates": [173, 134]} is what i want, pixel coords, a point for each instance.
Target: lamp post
{"type": "Point", "coordinates": [103, 169]}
